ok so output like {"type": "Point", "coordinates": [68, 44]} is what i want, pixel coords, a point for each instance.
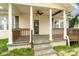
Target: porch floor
{"type": "Point", "coordinates": [37, 39]}
{"type": "Point", "coordinates": [22, 39]}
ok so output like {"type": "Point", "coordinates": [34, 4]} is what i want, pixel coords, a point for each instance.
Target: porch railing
{"type": "Point", "coordinates": [71, 32]}
{"type": "Point", "coordinates": [20, 32]}
{"type": "Point", "coordinates": [57, 33]}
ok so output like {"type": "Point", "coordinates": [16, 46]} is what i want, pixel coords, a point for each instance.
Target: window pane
{"type": "Point", "coordinates": [55, 23]}
{"type": "Point", "coordinates": [3, 22]}
{"type": "Point", "coordinates": [61, 24]}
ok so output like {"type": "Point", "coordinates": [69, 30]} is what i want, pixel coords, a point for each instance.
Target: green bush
{"type": "Point", "coordinates": [20, 52]}
{"type": "Point", "coordinates": [3, 45]}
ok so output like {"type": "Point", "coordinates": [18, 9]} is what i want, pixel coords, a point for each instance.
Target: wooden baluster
{"type": "Point", "coordinates": [18, 32]}
{"type": "Point", "coordinates": [15, 33]}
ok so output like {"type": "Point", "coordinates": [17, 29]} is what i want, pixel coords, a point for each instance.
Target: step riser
{"type": "Point", "coordinates": [47, 48]}
{"type": "Point", "coordinates": [44, 52]}
{"type": "Point", "coordinates": [14, 47]}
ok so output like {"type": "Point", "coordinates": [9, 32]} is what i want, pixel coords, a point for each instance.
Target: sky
{"type": "Point", "coordinates": [75, 11]}
{"type": "Point", "coordinates": [77, 4]}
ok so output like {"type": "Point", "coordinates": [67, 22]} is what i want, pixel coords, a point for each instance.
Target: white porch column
{"type": "Point", "coordinates": [50, 24]}
{"type": "Point", "coordinates": [65, 27]}
{"type": "Point", "coordinates": [10, 23]}
{"type": "Point", "coordinates": [31, 21]}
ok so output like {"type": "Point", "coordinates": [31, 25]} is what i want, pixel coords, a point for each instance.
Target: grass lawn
{"type": "Point", "coordinates": [3, 45]}
{"type": "Point", "coordinates": [15, 52]}
{"type": "Point", "coordinates": [20, 52]}
{"type": "Point", "coordinates": [67, 51]}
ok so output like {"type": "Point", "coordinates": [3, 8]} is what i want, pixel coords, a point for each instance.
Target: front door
{"type": "Point", "coordinates": [15, 21]}
{"type": "Point", "coordinates": [36, 26]}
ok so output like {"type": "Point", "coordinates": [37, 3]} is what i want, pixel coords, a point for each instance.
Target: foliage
{"type": "Point", "coordinates": [74, 21]}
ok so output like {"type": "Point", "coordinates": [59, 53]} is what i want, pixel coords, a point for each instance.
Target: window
{"type": "Point", "coordinates": [55, 23]}
{"type": "Point", "coordinates": [67, 23]}
{"type": "Point", "coordinates": [61, 24]}
{"type": "Point", "coordinates": [3, 22]}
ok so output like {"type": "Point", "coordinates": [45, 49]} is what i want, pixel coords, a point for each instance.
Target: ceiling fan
{"type": "Point", "coordinates": [39, 12]}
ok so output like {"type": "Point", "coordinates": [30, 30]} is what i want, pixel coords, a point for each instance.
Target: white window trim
{"type": "Point", "coordinates": [5, 25]}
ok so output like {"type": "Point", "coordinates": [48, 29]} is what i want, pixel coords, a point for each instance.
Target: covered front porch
{"type": "Point", "coordinates": [42, 24]}
{"type": "Point", "coordinates": [27, 23]}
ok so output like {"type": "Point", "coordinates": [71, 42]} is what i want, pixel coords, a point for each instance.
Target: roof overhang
{"type": "Point", "coordinates": [61, 6]}
{"type": "Point", "coordinates": [69, 6]}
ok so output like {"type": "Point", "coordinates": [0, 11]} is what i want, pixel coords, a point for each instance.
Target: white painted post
{"type": "Point", "coordinates": [31, 20]}
{"type": "Point", "coordinates": [50, 24]}
{"type": "Point", "coordinates": [10, 23]}
{"type": "Point", "coordinates": [65, 27]}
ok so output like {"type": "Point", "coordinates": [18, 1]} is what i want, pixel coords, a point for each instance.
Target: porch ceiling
{"type": "Point", "coordinates": [3, 8]}
{"type": "Point", "coordinates": [20, 8]}
{"type": "Point", "coordinates": [25, 9]}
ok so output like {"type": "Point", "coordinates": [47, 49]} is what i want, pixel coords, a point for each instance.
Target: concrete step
{"type": "Point", "coordinates": [40, 39]}
{"type": "Point", "coordinates": [44, 52]}
{"type": "Point", "coordinates": [40, 43]}
{"type": "Point", "coordinates": [42, 47]}
{"type": "Point", "coordinates": [39, 49]}
{"type": "Point", "coordinates": [11, 47]}
{"type": "Point", "coordinates": [19, 42]}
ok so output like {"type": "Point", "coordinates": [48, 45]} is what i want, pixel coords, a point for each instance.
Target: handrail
{"type": "Point", "coordinates": [68, 40]}
{"type": "Point", "coordinates": [32, 45]}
